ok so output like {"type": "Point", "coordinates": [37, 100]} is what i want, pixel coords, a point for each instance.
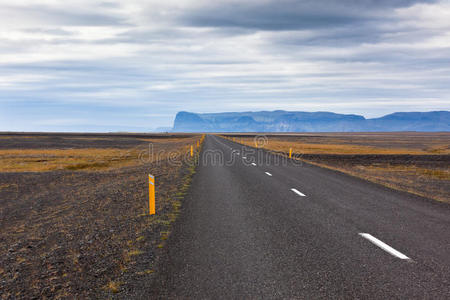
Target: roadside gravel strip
{"type": "Point", "coordinates": [300, 232]}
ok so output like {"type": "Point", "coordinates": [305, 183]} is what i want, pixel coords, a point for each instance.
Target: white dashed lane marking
{"type": "Point", "coordinates": [383, 246]}
{"type": "Point", "coordinates": [298, 193]}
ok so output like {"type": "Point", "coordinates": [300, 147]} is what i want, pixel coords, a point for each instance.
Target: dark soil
{"type": "Point", "coordinates": [79, 234]}
{"type": "Point", "coordinates": [430, 161]}
{"type": "Point", "coordinates": [78, 141]}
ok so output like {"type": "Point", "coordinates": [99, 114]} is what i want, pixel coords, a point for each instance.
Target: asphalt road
{"type": "Point", "coordinates": [245, 233]}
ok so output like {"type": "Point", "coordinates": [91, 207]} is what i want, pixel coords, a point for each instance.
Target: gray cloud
{"type": "Point", "coordinates": [292, 14]}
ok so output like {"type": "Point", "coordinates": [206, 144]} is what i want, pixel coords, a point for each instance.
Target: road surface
{"type": "Point", "coordinates": [262, 229]}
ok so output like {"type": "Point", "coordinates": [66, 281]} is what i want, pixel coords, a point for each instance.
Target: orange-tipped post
{"type": "Point", "coordinates": [151, 194]}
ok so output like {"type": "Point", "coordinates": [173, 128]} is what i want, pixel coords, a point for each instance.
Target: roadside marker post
{"type": "Point", "coordinates": [151, 194]}
{"type": "Point", "coordinates": [192, 150]}
{"type": "Point", "coordinates": [290, 152]}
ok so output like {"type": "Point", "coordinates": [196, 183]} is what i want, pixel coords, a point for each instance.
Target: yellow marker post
{"type": "Point", "coordinates": [151, 194]}
{"type": "Point", "coordinates": [290, 152]}
{"type": "Point", "coordinates": [192, 150]}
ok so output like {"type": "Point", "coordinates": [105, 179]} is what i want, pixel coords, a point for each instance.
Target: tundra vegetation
{"type": "Point", "coordinates": [74, 210]}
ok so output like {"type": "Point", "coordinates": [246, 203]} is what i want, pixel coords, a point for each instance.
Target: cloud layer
{"type": "Point", "coordinates": [131, 65]}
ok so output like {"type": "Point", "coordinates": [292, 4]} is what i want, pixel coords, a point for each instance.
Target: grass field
{"type": "Point", "coordinates": [415, 162]}
{"type": "Point", "coordinates": [73, 210]}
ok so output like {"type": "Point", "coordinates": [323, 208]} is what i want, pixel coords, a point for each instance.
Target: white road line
{"type": "Point", "coordinates": [298, 193]}
{"type": "Point", "coordinates": [268, 174]}
{"type": "Point", "coordinates": [222, 143]}
{"type": "Point", "coordinates": [384, 246]}
{"type": "Point", "coordinates": [253, 164]}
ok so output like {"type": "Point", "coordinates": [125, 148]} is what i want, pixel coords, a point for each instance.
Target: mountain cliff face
{"type": "Point", "coordinates": [292, 121]}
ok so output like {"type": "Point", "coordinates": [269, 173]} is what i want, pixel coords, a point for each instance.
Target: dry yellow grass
{"type": "Point", "coordinates": [334, 147]}
{"type": "Point", "coordinates": [41, 160]}
{"type": "Point", "coordinates": [156, 140]}
{"type": "Point", "coordinates": [113, 287]}
{"type": "Point", "coordinates": [408, 169]}
{"type": "Point", "coordinates": [135, 252]}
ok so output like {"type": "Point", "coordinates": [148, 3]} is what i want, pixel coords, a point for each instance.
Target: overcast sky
{"type": "Point", "coordinates": [87, 65]}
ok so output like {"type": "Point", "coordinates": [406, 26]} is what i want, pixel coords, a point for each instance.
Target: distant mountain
{"type": "Point", "coordinates": [297, 121]}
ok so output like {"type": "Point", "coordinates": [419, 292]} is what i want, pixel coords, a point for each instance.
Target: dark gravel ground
{"type": "Point", "coordinates": [370, 159]}
{"type": "Point", "coordinates": [68, 234]}
{"type": "Point", "coordinates": [84, 234]}
{"type": "Point", "coordinates": [78, 141]}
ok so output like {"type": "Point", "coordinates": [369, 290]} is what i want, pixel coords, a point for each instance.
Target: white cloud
{"type": "Point", "coordinates": [429, 16]}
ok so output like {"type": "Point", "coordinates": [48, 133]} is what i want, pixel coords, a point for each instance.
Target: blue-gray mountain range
{"type": "Point", "coordinates": [297, 121]}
